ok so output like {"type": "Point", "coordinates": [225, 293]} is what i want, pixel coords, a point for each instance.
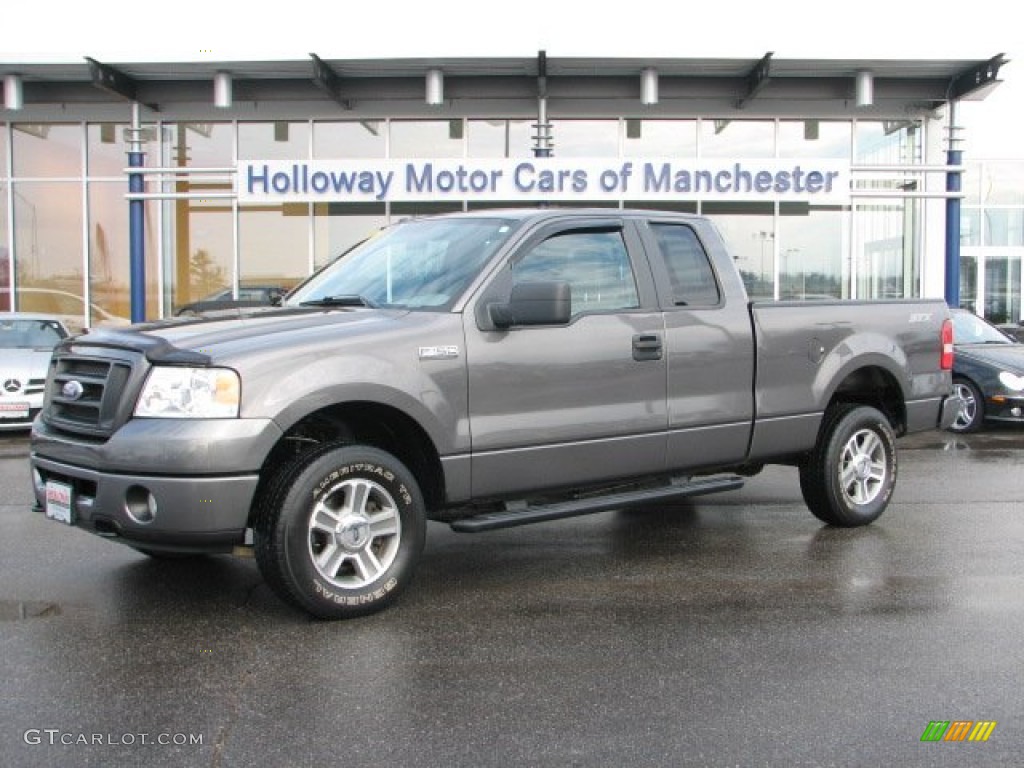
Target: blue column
{"type": "Point", "coordinates": [953, 184]}
{"type": "Point", "coordinates": [954, 157]}
{"type": "Point", "coordinates": [136, 218]}
{"type": "Point", "coordinates": [137, 239]}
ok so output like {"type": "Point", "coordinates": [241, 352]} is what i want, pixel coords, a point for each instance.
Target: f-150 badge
{"type": "Point", "coordinates": [439, 353]}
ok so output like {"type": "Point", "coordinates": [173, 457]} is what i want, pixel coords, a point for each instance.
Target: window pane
{"type": "Point", "coordinates": [108, 150]}
{"type": "Point", "coordinates": [349, 139]}
{"type": "Point", "coordinates": [279, 140]}
{"type": "Point", "coordinates": [811, 264]}
{"type": "Point", "coordinates": [595, 264]}
{"type": "Point", "coordinates": [109, 255]}
{"type": "Point", "coordinates": [422, 208]}
{"type": "Point", "coordinates": [693, 280]}
{"type": "Point", "coordinates": [426, 138]}
{"type": "Point", "coordinates": [47, 150]}
{"type": "Point", "coordinates": [48, 249]}
{"type": "Point", "coordinates": [3, 153]}
{"type": "Point", "coordinates": [748, 229]}
{"type": "Point", "coordinates": [500, 138]}
{"type": "Point", "coordinates": [585, 138]}
{"type": "Point", "coordinates": [1002, 289]}
{"type": "Point", "coordinates": [815, 138]}
{"type": "Point", "coordinates": [198, 145]}
{"type": "Point", "coordinates": [339, 226]}
{"type": "Point", "coordinates": [737, 138]}
{"type": "Point", "coordinates": [273, 243]}
{"type": "Point", "coordinates": [968, 283]}
{"type": "Point", "coordinates": [1004, 183]}
{"type": "Point", "coordinates": [970, 183]}
{"type": "Point", "coordinates": [661, 138]}
{"type": "Point", "coordinates": [888, 143]}
{"type": "Point", "coordinates": [970, 226]}
{"type": "Point", "coordinates": [200, 250]}
{"type": "Point", "coordinates": [884, 249]}
{"type": "Point", "coordinates": [1004, 226]}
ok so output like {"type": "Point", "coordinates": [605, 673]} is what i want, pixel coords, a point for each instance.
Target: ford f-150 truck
{"type": "Point", "coordinates": [487, 370]}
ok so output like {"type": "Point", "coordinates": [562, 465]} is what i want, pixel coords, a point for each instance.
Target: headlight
{"type": "Point", "coordinates": [1011, 381]}
{"type": "Point", "coordinates": [189, 393]}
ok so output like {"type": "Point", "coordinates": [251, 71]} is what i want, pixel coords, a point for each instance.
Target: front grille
{"type": "Point", "coordinates": [95, 405]}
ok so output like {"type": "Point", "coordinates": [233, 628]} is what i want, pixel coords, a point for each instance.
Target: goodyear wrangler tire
{"type": "Point", "coordinates": [849, 477]}
{"type": "Point", "coordinates": [340, 531]}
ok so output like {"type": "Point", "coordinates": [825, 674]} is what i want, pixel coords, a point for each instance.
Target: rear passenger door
{"type": "Point", "coordinates": [563, 405]}
{"type": "Point", "coordinates": [709, 349]}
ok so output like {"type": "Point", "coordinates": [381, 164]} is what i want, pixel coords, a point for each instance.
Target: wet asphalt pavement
{"type": "Point", "coordinates": [734, 630]}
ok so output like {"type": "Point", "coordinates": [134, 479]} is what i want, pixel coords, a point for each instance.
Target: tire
{"type": "Point", "coordinates": [972, 407]}
{"type": "Point", "coordinates": [849, 477]}
{"type": "Point", "coordinates": [340, 531]}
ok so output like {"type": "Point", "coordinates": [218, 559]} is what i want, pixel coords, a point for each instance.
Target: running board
{"type": "Point", "coordinates": [524, 514]}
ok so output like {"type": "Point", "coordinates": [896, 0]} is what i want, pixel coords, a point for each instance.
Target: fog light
{"type": "Point", "coordinates": [1015, 412]}
{"type": "Point", "coordinates": [140, 505]}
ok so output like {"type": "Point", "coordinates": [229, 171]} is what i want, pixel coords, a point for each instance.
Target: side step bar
{"type": "Point", "coordinates": [525, 514]}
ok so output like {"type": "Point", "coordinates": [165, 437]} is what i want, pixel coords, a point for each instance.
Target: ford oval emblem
{"type": "Point", "coordinates": [73, 390]}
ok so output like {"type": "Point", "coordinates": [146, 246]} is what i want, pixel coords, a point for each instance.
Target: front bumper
{"type": "Point", "coordinates": [158, 483]}
{"type": "Point", "coordinates": [1005, 408]}
{"type": "Point", "coordinates": [14, 416]}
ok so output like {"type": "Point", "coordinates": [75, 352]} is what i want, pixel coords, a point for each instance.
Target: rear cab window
{"type": "Point", "coordinates": [691, 279]}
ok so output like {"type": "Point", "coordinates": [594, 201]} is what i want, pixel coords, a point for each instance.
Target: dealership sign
{"type": "Point", "coordinates": [541, 179]}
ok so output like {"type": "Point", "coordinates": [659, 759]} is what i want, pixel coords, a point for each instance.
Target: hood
{"type": "Point", "coordinates": [222, 336]}
{"type": "Point", "coordinates": [1008, 357]}
{"type": "Point", "coordinates": [25, 364]}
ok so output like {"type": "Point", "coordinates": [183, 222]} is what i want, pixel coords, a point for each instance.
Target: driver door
{"type": "Point", "coordinates": [563, 405]}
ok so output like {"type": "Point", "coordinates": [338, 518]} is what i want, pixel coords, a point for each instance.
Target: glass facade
{"type": "Point", "coordinates": [66, 243]}
{"type": "Point", "coordinates": [992, 240]}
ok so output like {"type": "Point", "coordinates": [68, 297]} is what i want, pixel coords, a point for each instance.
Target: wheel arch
{"type": "Point", "coordinates": [875, 385]}
{"type": "Point", "coordinates": [361, 422]}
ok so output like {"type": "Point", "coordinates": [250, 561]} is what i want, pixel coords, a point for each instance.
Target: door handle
{"type": "Point", "coordinates": [647, 346]}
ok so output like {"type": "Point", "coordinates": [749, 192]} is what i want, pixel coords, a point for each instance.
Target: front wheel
{"type": "Point", "coordinates": [849, 477]}
{"type": "Point", "coordinates": [340, 531]}
{"type": "Point", "coordinates": [972, 407]}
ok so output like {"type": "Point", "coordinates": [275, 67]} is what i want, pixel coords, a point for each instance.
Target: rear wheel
{"type": "Point", "coordinates": [972, 407]}
{"type": "Point", "coordinates": [340, 531]}
{"type": "Point", "coordinates": [849, 477]}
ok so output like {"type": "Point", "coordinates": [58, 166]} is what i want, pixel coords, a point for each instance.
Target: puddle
{"type": "Point", "coordinates": [15, 610]}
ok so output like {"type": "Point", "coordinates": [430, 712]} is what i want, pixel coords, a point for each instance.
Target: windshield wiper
{"type": "Point", "coordinates": [343, 300]}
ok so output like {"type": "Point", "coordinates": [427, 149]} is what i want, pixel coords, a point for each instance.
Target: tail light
{"type": "Point", "coordinates": [946, 360]}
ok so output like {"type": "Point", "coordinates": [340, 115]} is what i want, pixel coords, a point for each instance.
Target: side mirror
{"type": "Point", "coordinates": [533, 304]}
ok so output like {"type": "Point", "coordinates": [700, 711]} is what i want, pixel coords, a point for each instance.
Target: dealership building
{"type": "Point", "coordinates": [130, 189]}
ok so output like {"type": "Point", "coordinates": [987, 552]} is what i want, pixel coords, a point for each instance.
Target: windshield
{"type": "Point", "coordinates": [30, 334]}
{"type": "Point", "coordinates": [424, 264]}
{"type": "Point", "coordinates": [971, 329]}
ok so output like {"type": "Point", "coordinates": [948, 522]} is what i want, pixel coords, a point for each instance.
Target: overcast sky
{"type": "Point", "coordinates": [185, 30]}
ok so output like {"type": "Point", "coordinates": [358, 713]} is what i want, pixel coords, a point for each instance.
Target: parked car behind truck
{"type": "Point", "coordinates": [488, 370]}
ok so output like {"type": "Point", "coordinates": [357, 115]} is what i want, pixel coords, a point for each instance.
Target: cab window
{"type": "Point", "coordinates": [595, 264]}
{"type": "Point", "coordinates": [689, 270]}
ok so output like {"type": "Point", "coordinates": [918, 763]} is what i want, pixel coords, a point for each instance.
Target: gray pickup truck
{"type": "Point", "coordinates": [487, 370]}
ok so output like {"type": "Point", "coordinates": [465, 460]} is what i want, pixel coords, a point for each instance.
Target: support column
{"type": "Point", "coordinates": [137, 220]}
{"type": "Point", "coordinates": [954, 157]}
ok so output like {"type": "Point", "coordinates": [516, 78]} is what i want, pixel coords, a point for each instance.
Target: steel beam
{"type": "Point", "coordinates": [757, 79]}
{"type": "Point", "coordinates": [977, 78]}
{"type": "Point", "coordinates": [327, 80]}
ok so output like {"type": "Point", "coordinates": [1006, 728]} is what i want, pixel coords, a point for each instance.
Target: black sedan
{"type": "Point", "coordinates": [988, 373]}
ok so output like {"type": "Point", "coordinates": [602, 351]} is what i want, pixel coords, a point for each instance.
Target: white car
{"type": "Point", "coordinates": [26, 345]}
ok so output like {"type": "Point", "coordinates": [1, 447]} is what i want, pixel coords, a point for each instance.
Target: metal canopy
{"type": "Point", "coordinates": [901, 85]}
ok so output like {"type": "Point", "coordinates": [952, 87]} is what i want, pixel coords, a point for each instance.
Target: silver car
{"type": "Point", "coordinates": [26, 344]}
